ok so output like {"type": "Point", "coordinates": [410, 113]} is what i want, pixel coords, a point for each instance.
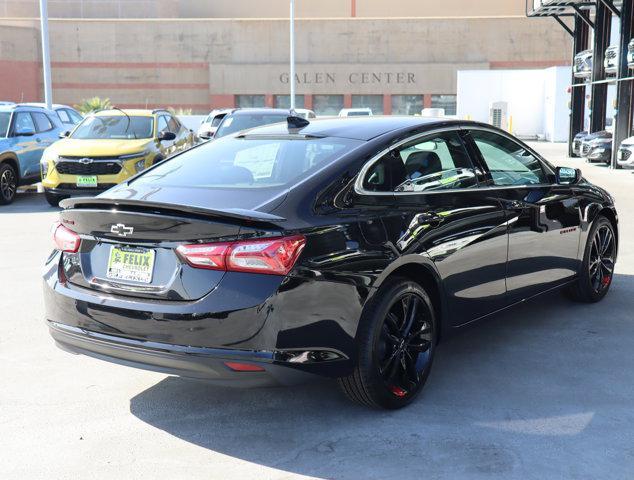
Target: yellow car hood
{"type": "Point", "coordinates": [76, 147]}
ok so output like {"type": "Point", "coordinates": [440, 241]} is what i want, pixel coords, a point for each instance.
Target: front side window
{"type": "Point", "coordinates": [436, 162]}
{"type": "Point", "coordinates": [162, 124]}
{"type": "Point", "coordinates": [114, 127]}
{"type": "Point", "coordinates": [173, 124]}
{"type": "Point", "coordinates": [23, 123]}
{"type": "Point", "coordinates": [509, 163]}
{"type": "Point", "coordinates": [248, 163]}
{"type": "Point", "coordinates": [74, 116]}
{"type": "Point", "coordinates": [42, 122]}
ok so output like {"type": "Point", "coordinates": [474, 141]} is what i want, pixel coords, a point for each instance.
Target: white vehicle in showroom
{"type": "Point", "coordinates": [355, 112]}
{"type": "Point", "coordinates": [210, 124]}
{"type": "Point", "coordinates": [625, 155]}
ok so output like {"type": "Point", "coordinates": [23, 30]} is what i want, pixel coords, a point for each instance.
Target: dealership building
{"type": "Point", "coordinates": [394, 57]}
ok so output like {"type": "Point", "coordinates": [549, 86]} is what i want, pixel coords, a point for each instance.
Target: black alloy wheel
{"type": "Point", "coordinates": [397, 340]}
{"type": "Point", "coordinates": [8, 183]}
{"type": "Point", "coordinates": [597, 270]}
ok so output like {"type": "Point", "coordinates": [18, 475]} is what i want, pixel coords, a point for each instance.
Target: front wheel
{"type": "Point", "coordinates": [396, 345]}
{"type": "Point", "coordinates": [597, 269]}
{"type": "Point", "coordinates": [8, 183]}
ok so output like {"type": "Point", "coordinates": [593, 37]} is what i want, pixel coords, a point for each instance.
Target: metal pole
{"type": "Point", "coordinates": [598, 102]}
{"type": "Point", "coordinates": [46, 57]}
{"type": "Point", "coordinates": [578, 94]}
{"type": "Point", "coordinates": [292, 53]}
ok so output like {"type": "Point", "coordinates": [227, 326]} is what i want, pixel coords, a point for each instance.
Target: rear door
{"type": "Point", "coordinates": [437, 210]}
{"type": "Point", "coordinates": [543, 217]}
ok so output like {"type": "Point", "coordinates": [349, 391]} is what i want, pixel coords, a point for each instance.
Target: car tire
{"type": "Point", "coordinates": [8, 183]}
{"type": "Point", "coordinates": [597, 269]}
{"type": "Point", "coordinates": [53, 199]}
{"type": "Point", "coordinates": [393, 360]}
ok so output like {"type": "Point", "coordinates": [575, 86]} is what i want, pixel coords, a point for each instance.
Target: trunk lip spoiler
{"type": "Point", "coordinates": [234, 213]}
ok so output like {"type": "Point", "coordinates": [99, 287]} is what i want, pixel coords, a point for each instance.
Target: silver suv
{"type": "Point", "coordinates": [583, 64]}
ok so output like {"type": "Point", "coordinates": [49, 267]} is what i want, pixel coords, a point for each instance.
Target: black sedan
{"type": "Point", "coordinates": [344, 248]}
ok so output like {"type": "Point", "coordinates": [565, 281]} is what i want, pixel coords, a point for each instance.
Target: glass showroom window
{"type": "Point", "coordinates": [327, 104]}
{"type": "Point", "coordinates": [448, 102]}
{"type": "Point", "coordinates": [373, 102]}
{"type": "Point", "coordinates": [407, 104]}
{"type": "Point", "coordinates": [284, 101]}
{"type": "Point", "coordinates": [250, 101]}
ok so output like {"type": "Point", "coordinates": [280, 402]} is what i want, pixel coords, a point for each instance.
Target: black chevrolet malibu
{"type": "Point", "coordinates": [345, 248]}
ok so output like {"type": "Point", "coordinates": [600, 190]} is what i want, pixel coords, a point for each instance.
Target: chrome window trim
{"type": "Point", "coordinates": [358, 184]}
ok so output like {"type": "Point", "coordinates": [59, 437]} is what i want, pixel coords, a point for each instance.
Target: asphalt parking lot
{"type": "Point", "coordinates": [543, 391]}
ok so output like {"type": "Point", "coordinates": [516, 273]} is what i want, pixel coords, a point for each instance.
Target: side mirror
{"type": "Point", "coordinates": [64, 134]}
{"type": "Point", "coordinates": [25, 133]}
{"type": "Point", "coordinates": [166, 136]}
{"type": "Point", "coordinates": [567, 175]}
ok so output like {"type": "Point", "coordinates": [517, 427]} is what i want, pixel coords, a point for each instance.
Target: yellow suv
{"type": "Point", "coordinates": [107, 148]}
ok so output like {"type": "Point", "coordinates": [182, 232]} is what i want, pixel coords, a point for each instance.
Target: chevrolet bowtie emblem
{"type": "Point", "coordinates": [121, 230]}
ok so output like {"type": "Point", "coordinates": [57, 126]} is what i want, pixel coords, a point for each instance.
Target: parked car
{"type": "Point", "coordinates": [246, 118]}
{"type": "Point", "coordinates": [109, 147]}
{"type": "Point", "coordinates": [597, 147]}
{"type": "Point", "coordinates": [210, 124]}
{"type": "Point", "coordinates": [624, 156]}
{"type": "Point", "coordinates": [611, 61]}
{"type": "Point", "coordinates": [25, 131]}
{"type": "Point", "coordinates": [630, 54]}
{"type": "Point", "coordinates": [67, 115]}
{"type": "Point", "coordinates": [345, 248]}
{"type": "Point", "coordinates": [305, 113]}
{"type": "Point", "coordinates": [582, 67]}
{"type": "Point", "coordinates": [355, 112]}
{"type": "Point", "coordinates": [577, 142]}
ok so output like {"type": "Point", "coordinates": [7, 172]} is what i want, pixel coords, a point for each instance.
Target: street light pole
{"type": "Point", "coordinates": [46, 57]}
{"type": "Point", "coordinates": [292, 54]}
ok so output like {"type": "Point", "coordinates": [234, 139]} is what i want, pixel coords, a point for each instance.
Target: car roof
{"type": "Point", "coordinates": [22, 106]}
{"type": "Point", "coordinates": [129, 111]}
{"type": "Point", "coordinates": [261, 111]}
{"type": "Point", "coordinates": [358, 128]}
{"type": "Point", "coordinates": [43, 105]}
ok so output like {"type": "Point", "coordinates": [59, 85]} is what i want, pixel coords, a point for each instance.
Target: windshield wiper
{"type": "Point", "coordinates": [127, 127]}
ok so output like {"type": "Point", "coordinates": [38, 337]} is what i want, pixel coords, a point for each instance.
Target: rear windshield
{"type": "Point", "coordinates": [248, 162]}
{"type": "Point", "coordinates": [237, 123]}
{"type": "Point", "coordinates": [114, 127]}
{"type": "Point", "coordinates": [5, 117]}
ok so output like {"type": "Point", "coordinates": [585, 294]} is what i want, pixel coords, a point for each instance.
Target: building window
{"type": "Point", "coordinates": [327, 104]}
{"type": "Point", "coordinates": [448, 102]}
{"type": "Point", "coordinates": [373, 102]}
{"type": "Point", "coordinates": [284, 101]}
{"type": "Point", "coordinates": [250, 101]}
{"type": "Point", "coordinates": [407, 104]}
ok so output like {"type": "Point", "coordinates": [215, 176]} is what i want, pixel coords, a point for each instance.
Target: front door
{"type": "Point", "coordinates": [543, 217]}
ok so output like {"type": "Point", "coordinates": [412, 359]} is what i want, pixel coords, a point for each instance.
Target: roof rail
{"type": "Point", "coordinates": [157, 110]}
{"type": "Point", "coordinates": [26, 104]}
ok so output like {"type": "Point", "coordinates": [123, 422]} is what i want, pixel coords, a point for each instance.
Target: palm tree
{"type": "Point", "coordinates": [88, 105]}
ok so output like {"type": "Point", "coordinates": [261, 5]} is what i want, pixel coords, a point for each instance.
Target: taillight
{"type": "Point", "coordinates": [275, 256]}
{"type": "Point", "coordinates": [65, 239]}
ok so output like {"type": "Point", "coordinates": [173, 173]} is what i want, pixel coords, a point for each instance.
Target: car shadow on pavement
{"type": "Point", "coordinates": [28, 202]}
{"type": "Point", "coordinates": [543, 390]}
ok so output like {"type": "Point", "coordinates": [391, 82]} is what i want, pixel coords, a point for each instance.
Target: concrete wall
{"type": "Point", "coordinates": [260, 8]}
{"type": "Point", "coordinates": [201, 64]}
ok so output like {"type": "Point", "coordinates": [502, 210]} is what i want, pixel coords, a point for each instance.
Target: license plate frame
{"type": "Point", "coordinates": [131, 264]}
{"type": "Point", "coordinates": [86, 181]}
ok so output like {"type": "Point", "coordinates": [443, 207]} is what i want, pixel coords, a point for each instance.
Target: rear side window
{"type": "Point", "coordinates": [249, 162]}
{"type": "Point", "coordinates": [74, 116]}
{"type": "Point", "coordinates": [509, 163]}
{"type": "Point", "coordinates": [23, 123]}
{"type": "Point", "coordinates": [42, 122]}
{"type": "Point", "coordinates": [436, 162]}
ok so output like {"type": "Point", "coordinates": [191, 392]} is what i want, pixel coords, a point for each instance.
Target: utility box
{"type": "Point", "coordinates": [498, 115]}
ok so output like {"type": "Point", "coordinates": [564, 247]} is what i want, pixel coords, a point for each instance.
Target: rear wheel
{"type": "Point", "coordinates": [597, 269]}
{"type": "Point", "coordinates": [396, 345]}
{"type": "Point", "coordinates": [8, 183]}
{"type": "Point", "coordinates": [53, 199]}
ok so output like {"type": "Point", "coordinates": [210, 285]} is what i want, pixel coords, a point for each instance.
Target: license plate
{"type": "Point", "coordinates": [87, 181]}
{"type": "Point", "coordinates": [130, 264]}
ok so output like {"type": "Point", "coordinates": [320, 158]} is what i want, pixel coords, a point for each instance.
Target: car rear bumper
{"type": "Point", "coordinates": [185, 361]}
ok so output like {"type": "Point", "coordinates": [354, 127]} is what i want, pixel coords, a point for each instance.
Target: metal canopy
{"type": "Point", "coordinates": [551, 8]}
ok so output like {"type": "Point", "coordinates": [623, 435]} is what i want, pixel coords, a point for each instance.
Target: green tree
{"type": "Point", "coordinates": [88, 105]}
